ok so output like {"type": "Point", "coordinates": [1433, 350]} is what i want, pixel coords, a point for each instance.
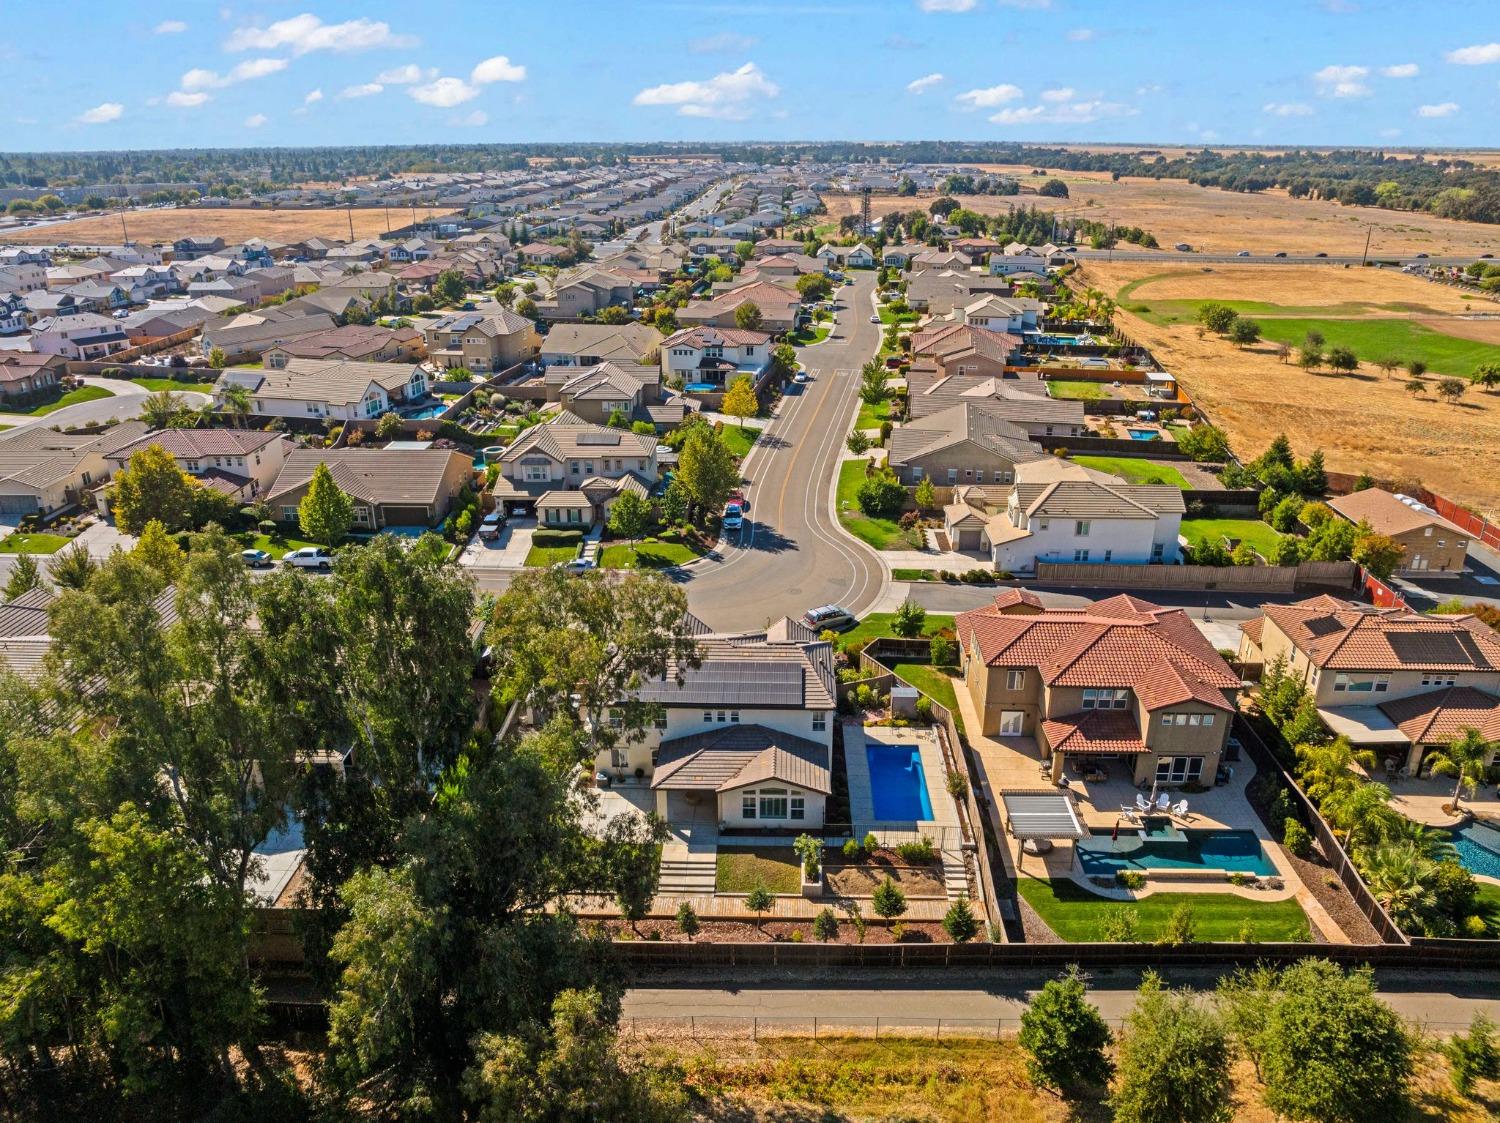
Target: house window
{"type": "Point", "coordinates": [1081, 528]}
{"type": "Point", "coordinates": [1080, 555]}
{"type": "Point", "coordinates": [1106, 698]}
{"type": "Point", "coordinates": [708, 717]}
{"type": "Point", "coordinates": [953, 475]}
{"type": "Point", "coordinates": [1109, 555]}
{"type": "Point", "coordinates": [1166, 720]}
{"type": "Point", "coordinates": [747, 806]}
{"type": "Point", "coordinates": [1434, 678]}
{"type": "Point", "coordinates": [1011, 722]}
{"type": "Point", "coordinates": [798, 807]}
{"type": "Point", "coordinates": [1015, 680]}
{"type": "Point", "coordinates": [734, 717]}
{"type": "Point", "coordinates": [1178, 769]}
{"type": "Point", "coordinates": [721, 717]}
{"type": "Point", "coordinates": [288, 514]}
{"type": "Point", "coordinates": [916, 471]}
{"type": "Point", "coordinates": [820, 721]}
{"type": "Point", "coordinates": [660, 721]}
{"type": "Point", "coordinates": [773, 803]}
{"type": "Point", "coordinates": [1156, 550]}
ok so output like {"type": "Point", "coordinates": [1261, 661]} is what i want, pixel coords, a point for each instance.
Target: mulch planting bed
{"type": "Point", "coordinates": [745, 932]}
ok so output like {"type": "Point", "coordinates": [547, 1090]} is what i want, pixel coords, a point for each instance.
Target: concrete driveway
{"type": "Point", "coordinates": [508, 551]}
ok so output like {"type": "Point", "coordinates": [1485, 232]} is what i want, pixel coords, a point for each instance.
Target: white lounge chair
{"type": "Point", "coordinates": [1141, 803]}
{"type": "Point", "coordinates": [1180, 809]}
{"type": "Point", "coordinates": [1164, 802]}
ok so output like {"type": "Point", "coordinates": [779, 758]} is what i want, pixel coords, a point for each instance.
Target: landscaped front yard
{"type": "Point", "coordinates": [742, 868]}
{"type": "Point", "coordinates": [889, 317]}
{"type": "Point", "coordinates": [872, 414]}
{"type": "Point", "coordinates": [738, 440]}
{"type": "Point", "coordinates": [19, 543]}
{"type": "Point", "coordinates": [807, 336]}
{"type": "Point", "coordinates": [883, 534]}
{"type": "Point", "coordinates": [649, 553]}
{"type": "Point", "coordinates": [71, 398]}
{"type": "Point", "coordinates": [877, 625]}
{"type": "Point", "coordinates": [275, 545]}
{"type": "Point", "coordinates": [542, 556]}
{"type": "Point", "coordinates": [1261, 536]}
{"type": "Point", "coordinates": [1078, 915]}
{"type": "Point", "coordinates": [1135, 470]}
{"type": "Point", "coordinates": [158, 384]}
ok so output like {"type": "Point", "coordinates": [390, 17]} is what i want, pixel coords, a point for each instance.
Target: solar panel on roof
{"type": "Point", "coordinates": [733, 682]}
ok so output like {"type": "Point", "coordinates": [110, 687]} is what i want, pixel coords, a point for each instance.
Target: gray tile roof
{"type": "Point", "coordinates": [734, 756]}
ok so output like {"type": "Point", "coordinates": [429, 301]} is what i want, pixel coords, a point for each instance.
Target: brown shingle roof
{"type": "Point", "coordinates": [1388, 515]}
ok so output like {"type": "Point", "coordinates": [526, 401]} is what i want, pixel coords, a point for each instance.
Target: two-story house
{"type": "Point", "coordinates": [963, 350]}
{"type": "Point", "coordinates": [23, 276]}
{"type": "Point", "coordinates": [1060, 511]}
{"type": "Point", "coordinates": [364, 343]}
{"type": "Point", "coordinates": [779, 307]}
{"type": "Point", "coordinates": [13, 313]}
{"type": "Point", "coordinates": [746, 736]}
{"type": "Point", "coordinates": [317, 389]}
{"type": "Point", "coordinates": [484, 342]}
{"type": "Point", "coordinates": [1121, 685]}
{"type": "Point", "coordinates": [586, 293]}
{"type": "Point", "coordinates": [240, 462]}
{"type": "Point", "coordinates": [713, 357]}
{"type": "Point", "coordinates": [1390, 680]}
{"type": "Point", "coordinates": [570, 471]}
{"type": "Point", "coordinates": [599, 392]}
{"type": "Point", "coordinates": [83, 336]}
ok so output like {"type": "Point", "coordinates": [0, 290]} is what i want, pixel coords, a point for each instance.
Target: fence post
{"type": "Point", "coordinates": [815, 1029]}
{"type": "Point", "coordinates": [938, 1035]}
{"type": "Point", "coordinates": [998, 1022]}
{"type": "Point", "coordinates": [754, 1029]}
{"type": "Point", "coordinates": [877, 1027]}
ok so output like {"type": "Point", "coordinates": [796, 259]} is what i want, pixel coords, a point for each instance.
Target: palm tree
{"type": "Point", "coordinates": [1361, 810]}
{"type": "Point", "coordinates": [235, 401]}
{"type": "Point", "coordinates": [161, 409]}
{"type": "Point", "coordinates": [1467, 756]}
{"type": "Point", "coordinates": [1400, 876]}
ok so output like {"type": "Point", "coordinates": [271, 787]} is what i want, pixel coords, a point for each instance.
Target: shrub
{"type": "Point", "coordinates": [1473, 1056]}
{"type": "Point", "coordinates": [1295, 838]}
{"type": "Point", "coordinates": [870, 843]}
{"type": "Point", "coordinates": [810, 850]}
{"type": "Point", "coordinates": [943, 651]}
{"type": "Point", "coordinates": [924, 708]}
{"type": "Point", "coordinates": [852, 852]}
{"type": "Point", "coordinates": [1130, 879]}
{"type": "Point", "coordinates": [917, 852]}
{"type": "Point", "coordinates": [826, 926]}
{"type": "Point", "coordinates": [958, 786]}
{"type": "Point", "coordinates": [1121, 926]}
{"type": "Point", "coordinates": [687, 919]}
{"type": "Point", "coordinates": [1174, 1060]}
{"type": "Point", "coordinates": [887, 900]}
{"type": "Point", "coordinates": [1064, 1036]}
{"type": "Point", "coordinates": [1181, 927]}
{"type": "Point", "coordinates": [909, 620]}
{"type": "Point", "coordinates": [960, 922]}
{"type": "Point", "coordinates": [1240, 879]}
{"type": "Point", "coordinates": [556, 537]}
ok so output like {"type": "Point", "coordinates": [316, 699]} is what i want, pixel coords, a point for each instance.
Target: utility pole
{"type": "Point", "coordinates": [349, 210]}
{"type": "Point", "coordinates": [124, 235]}
{"type": "Point", "coordinates": [1365, 257]}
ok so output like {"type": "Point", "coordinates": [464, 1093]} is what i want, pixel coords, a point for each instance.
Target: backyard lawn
{"type": "Point", "coordinates": [649, 553]}
{"type": "Point", "coordinates": [19, 543]}
{"type": "Point", "coordinates": [936, 682]}
{"type": "Point", "coordinates": [1134, 470]}
{"type": "Point", "coordinates": [1075, 389]}
{"type": "Point", "coordinates": [742, 868]}
{"type": "Point", "coordinates": [1078, 916]}
{"type": "Point", "coordinates": [157, 384]}
{"type": "Point", "coordinates": [1488, 901]}
{"type": "Point", "coordinates": [71, 398]}
{"type": "Point", "coordinates": [1261, 536]}
{"type": "Point", "coordinates": [877, 625]}
{"type": "Point", "coordinates": [542, 556]}
{"type": "Point", "coordinates": [883, 534]}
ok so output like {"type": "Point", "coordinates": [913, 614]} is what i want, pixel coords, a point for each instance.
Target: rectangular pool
{"type": "Point", "coordinates": [701, 387]}
{"type": "Point", "coordinates": [1143, 434]}
{"type": "Point", "coordinates": [1235, 851]}
{"type": "Point", "coordinates": [898, 787]}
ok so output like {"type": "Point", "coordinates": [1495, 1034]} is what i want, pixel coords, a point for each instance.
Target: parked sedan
{"type": "Point", "coordinates": [577, 565]}
{"type": "Point", "coordinates": [255, 559]}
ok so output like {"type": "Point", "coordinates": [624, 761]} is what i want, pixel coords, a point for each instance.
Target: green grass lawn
{"type": "Point", "coordinates": [1075, 390]}
{"type": "Point", "coordinates": [742, 868]}
{"type": "Point", "coordinates": [1078, 916]}
{"type": "Point", "coordinates": [936, 682]}
{"type": "Point", "coordinates": [1260, 535]}
{"type": "Point", "coordinates": [806, 338]}
{"type": "Point", "coordinates": [883, 534]}
{"type": "Point", "coordinates": [71, 398]}
{"type": "Point", "coordinates": [19, 543]}
{"type": "Point", "coordinates": [650, 553]}
{"type": "Point", "coordinates": [157, 384]}
{"type": "Point", "coordinates": [877, 625]}
{"type": "Point", "coordinates": [542, 556]}
{"type": "Point", "coordinates": [1372, 340]}
{"type": "Point", "coordinates": [871, 415]}
{"type": "Point", "coordinates": [5, 427]}
{"type": "Point", "coordinates": [1134, 470]}
{"type": "Point", "coordinates": [888, 317]}
{"type": "Point", "coordinates": [277, 546]}
{"type": "Point", "coordinates": [1488, 905]}
{"type": "Point", "coordinates": [737, 440]}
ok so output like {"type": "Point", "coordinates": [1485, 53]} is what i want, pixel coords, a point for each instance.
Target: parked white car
{"type": "Point", "coordinates": [309, 557]}
{"type": "Point", "coordinates": [577, 565]}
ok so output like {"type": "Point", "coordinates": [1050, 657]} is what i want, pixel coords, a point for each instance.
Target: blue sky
{"type": "Point", "coordinates": [160, 75]}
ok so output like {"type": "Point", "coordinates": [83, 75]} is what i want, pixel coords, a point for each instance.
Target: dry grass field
{"type": "Point", "coordinates": [231, 224]}
{"type": "Point", "coordinates": [1225, 221]}
{"type": "Point", "coordinates": [1364, 421]}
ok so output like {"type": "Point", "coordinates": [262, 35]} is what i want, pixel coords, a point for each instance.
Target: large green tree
{"type": "Point", "coordinates": [327, 511]}
{"type": "Point", "coordinates": [707, 469]}
{"type": "Point", "coordinates": [1174, 1059]}
{"type": "Point", "coordinates": [152, 486]}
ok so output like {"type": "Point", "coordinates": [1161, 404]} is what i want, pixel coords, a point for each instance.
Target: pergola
{"type": "Point", "coordinates": [1041, 814]}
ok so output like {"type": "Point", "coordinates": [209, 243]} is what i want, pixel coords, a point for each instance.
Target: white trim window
{"type": "Point", "coordinates": [1439, 678]}
{"type": "Point", "coordinates": [1106, 698]}
{"type": "Point", "coordinates": [1178, 769]}
{"type": "Point", "coordinates": [1011, 723]}
{"type": "Point", "coordinates": [1015, 679]}
{"type": "Point", "coordinates": [820, 721]}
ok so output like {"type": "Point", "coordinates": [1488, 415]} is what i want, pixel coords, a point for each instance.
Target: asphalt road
{"type": "Point", "coordinates": [1264, 258]}
{"type": "Point", "coordinates": [1440, 1002]}
{"type": "Point", "coordinates": [791, 555]}
{"type": "Point", "coordinates": [123, 404]}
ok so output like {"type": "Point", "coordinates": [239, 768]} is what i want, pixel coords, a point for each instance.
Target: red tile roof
{"type": "Point", "coordinates": [1439, 716]}
{"type": "Point", "coordinates": [1342, 635]}
{"type": "Point", "coordinates": [1094, 731]}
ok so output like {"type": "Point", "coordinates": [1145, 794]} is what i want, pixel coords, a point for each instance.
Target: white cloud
{"type": "Point", "coordinates": [101, 114]}
{"type": "Point", "coordinates": [406, 75]}
{"type": "Point", "coordinates": [729, 95]}
{"type": "Point", "coordinates": [256, 120]}
{"type": "Point", "coordinates": [989, 96]}
{"type": "Point", "coordinates": [1477, 55]}
{"type": "Point", "coordinates": [947, 5]}
{"type": "Point", "coordinates": [313, 96]}
{"type": "Point", "coordinates": [201, 79]}
{"type": "Point", "coordinates": [1401, 70]}
{"type": "Point", "coordinates": [1287, 109]}
{"type": "Point", "coordinates": [497, 69]}
{"type": "Point", "coordinates": [179, 99]}
{"type": "Point", "coordinates": [726, 43]}
{"type": "Point", "coordinates": [1343, 81]}
{"type": "Point", "coordinates": [170, 27]}
{"type": "Point", "coordinates": [444, 93]}
{"type": "Point", "coordinates": [923, 84]}
{"type": "Point", "coordinates": [1063, 113]}
{"type": "Point", "coordinates": [1442, 109]}
{"type": "Point", "coordinates": [473, 120]}
{"type": "Point", "coordinates": [1081, 34]}
{"type": "Point", "coordinates": [307, 33]}
{"type": "Point", "coordinates": [1390, 133]}
{"type": "Point", "coordinates": [1063, 93]}
{"type": "Point", "coordinates": [364, 89]}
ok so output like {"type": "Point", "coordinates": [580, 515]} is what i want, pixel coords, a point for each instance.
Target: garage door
{"type": "Point", "coordinates": [403, 515]}
{"type": "Point", "coordinates": [18, 504]}
{"type": "Point", "coordinates": [968, 539]}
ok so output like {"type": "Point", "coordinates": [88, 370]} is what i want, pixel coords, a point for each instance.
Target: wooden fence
{"type": "Point", "coordinates": [1234, 578]}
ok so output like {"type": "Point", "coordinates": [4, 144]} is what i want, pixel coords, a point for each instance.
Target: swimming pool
{"type": "Point", "coordinates": [701, 387]}
{"type": "Point", "coordinates": [428, 412]}
{"type": "Point", "coordinates": [898, 786]}
{"type": "Point", "coordinates": [1478, 846]}
{"type": "Point", "coordinates": [1236, 851]}
{"type": "Point", "coordinates": [1144, 434]}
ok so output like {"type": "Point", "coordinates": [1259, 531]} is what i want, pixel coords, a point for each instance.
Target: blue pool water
{"type": "Point", "coordinates": [1478, 846]}
{"type": "Point", "coordinates": [898, 787]}
{"type": "Point", "coordinates": [1054, 340]}
{"type": "Point", "coordinates": [1196, 849]}
{"type": "Point", "coordinates": [426, 412]}
{"type": "Point", "coordinates": [1142, 434]}
{"type": "Point", "coordinates": [700, 387]}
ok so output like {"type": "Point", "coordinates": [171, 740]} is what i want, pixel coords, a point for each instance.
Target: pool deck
{"type": "Point", "coordinates": [944, 822]}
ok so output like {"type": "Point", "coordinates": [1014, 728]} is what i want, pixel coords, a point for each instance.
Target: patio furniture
{"type": "Point", "coordinates": [1164, 802]}
{"type": "Point", "coordinates": [1180, 809]}
{"type": "Point", "coordinates": [1127, 812]}
{"type": "Point", "coordinates": [1141, 803]}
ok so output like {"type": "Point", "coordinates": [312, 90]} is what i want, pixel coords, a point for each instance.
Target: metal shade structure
{"type": "Point", "coordinates": [1042, 814]}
